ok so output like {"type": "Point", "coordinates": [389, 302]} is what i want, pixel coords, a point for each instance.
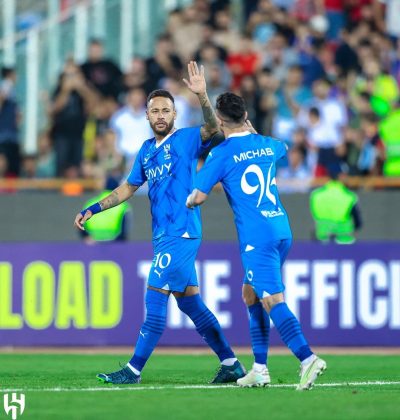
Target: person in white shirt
{"type": "Point", "coordinates": [130, 126]}
{"type": "Point", "coordinates": [324, 120]}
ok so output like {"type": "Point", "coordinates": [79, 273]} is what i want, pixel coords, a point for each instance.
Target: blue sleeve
{"type": "Point", "coordinates": [191, 141]}
{"type": "Point", "coordinates": [211, 173]}
{"type": "Point", "coordinates": [280, 149]}
{"type": "Point", "coordinates": [137, 175]}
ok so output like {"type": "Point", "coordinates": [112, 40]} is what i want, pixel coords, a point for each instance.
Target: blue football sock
{"type": "Point", "coordinates": [290, 330]}
{"type": "Point", "coordinates": [206, 325]}
{"type": "Point", "coordinates": [259, 332]}
{"type": "Point", "coordinates": [152, 328]}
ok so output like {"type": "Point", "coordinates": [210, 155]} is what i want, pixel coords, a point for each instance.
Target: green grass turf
{"type": "Point", "coordinates": [38, 371]}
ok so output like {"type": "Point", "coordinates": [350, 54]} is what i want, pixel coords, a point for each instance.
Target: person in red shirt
{"type": "Point", "coordinates": [244, 62]}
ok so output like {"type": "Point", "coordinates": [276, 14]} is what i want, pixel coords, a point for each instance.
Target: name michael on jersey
{"type": "Point", "coordinates": [252, 154]}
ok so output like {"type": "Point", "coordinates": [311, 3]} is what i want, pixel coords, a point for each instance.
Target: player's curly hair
{"type": "Point", "coordinates": [231, 107]}
{"type": "Point", "coordinates": [160, 92]}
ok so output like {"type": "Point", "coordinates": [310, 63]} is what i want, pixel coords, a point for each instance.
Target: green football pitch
{"type": "Point", "coordinates": [63, 386]}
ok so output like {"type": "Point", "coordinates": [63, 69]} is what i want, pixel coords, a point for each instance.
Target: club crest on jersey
{"type": "Point", "coordinates": [167, 148]}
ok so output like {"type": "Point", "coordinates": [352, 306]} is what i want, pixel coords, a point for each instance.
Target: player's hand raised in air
{"type": "Point", "coordinates": [197, 81]}
{"type": "Point", "coordinates": [80, 220]}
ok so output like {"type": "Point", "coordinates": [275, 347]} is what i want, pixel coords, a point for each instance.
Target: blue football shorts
{"type": "Point", "coordinates": [173, 263]}
{"type": "Point", "coordinates": [263, 265]}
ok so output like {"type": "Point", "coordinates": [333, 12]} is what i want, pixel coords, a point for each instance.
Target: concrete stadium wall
{"type": "Point", "coordinates": [49, 217]}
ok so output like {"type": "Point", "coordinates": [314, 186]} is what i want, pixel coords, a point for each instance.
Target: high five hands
{"type": "Point", "coordinates": [197, 81]}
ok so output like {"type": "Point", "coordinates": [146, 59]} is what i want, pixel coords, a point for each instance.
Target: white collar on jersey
{"type": "Point", "coordinates": [164, 139]}
{"type": "Point", "coordinates": [241, 134]}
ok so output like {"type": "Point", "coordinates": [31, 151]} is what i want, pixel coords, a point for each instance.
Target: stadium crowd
{"type": "Point", "coordinates": [321, 75]}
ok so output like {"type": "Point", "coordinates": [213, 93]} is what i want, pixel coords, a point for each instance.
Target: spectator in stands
{"type": "Point", "coordinates": [346, 58]}
{"type": "Point", "coordinates": [248, 91]}
{"type": "Point", "coordinates": [312, 63]}
{"type": "Point", "coordinates": [187, 33]}
{"type": "Point", "coordinates": [209, 55]}
{"type": "Point", "coordinates": [243, 62]}
{"type": "Point", "coordinates": [28, 166]}
{"type": "Point", "coordinates": [279, 56]}
{"type": "Point", "coordinates": [207, 38]}
{"type": "Point", "coordinates": [395, 62]}
{"type": "Point", "coordinates": [372, 153]}
{"type": "Point", "coordinates": [9, 119]}
{"type": "Point", "coordinates": [352, 142]}
{"type": "Point", "coordinates": [382, 88]}
{"type": "Point", "coordinates": [102, 72]}
{"type": "Point", "coordinates": [130, 126]}
{"type": "Point", "coordinates": [324, 120]}
{"type": "Point", "coordinates": [137, 77]}
{"type": "Point", "coordinates": [290, 96]}
{"type": "Point", "coordinates": [296, 170]}
{"type": "Point", "coordinates": [336, 18]}
{"type": "Point", "coordinates": [46, 158]}
{"type": "Point", "coordinates": [226, 35]}
{"type": "Point", "coordinates": [164, 63]}
{"type": "Point", "coordinates": [266, 100]}
{"type": "Point", "coordinates": [215, 82]}
{"type": "Point", "coordinates": [260, 24]}
{"type": "Point", "coordinates": [69, 109]}
{"type": "Point", "coordinates": [108, 162]}
{"type": "Point", "coordinates": [3, 165]}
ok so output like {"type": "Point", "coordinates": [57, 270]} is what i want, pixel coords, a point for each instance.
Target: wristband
{"type": "Point", "coordinates": [94, 208]}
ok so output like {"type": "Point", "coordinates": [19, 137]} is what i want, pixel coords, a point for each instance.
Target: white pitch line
{"type": "Point", "coordinates": [108, 388]}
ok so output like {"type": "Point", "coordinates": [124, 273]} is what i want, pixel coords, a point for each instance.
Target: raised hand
{"type": "Point", "coordinates": [197, 81]}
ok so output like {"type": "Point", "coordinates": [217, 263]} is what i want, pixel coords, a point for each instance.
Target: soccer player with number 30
{"type": "Point", "coordinates": [168, 163]}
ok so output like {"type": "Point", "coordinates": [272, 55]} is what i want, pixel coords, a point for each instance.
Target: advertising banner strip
{"type": "Point", "coordinates": [77, 294]}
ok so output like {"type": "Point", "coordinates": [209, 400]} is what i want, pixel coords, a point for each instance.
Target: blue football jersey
{"type": "Point", "coordinates": [169, 169]}
{"type": "Point", "coordinates": [246, 166]}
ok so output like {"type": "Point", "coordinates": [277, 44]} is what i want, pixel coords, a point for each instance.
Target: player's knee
{"type": "Point", "coordinates": [270, 301]}
{"type": "Point", "coordinates": [248, 295]}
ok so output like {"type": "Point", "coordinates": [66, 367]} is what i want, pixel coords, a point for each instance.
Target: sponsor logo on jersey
{"type": "Point", "coordinates": [273, 213]}
{"type": "Point", "coordinates": [252, 154]}
{"type": "Point", "coordinates": [158, 171]}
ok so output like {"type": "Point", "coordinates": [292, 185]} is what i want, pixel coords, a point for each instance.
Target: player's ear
{"type": "Point", "coordinates": [147, 114]}
{"type": "Point", "coordinates": [219, 121]}
{"type": "Point", "coordinates": [175, 113]}
{"type": "Point", "coordinates": [245, 116]}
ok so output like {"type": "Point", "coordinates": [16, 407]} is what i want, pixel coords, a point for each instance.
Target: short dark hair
{"type": "Point", "coordinates": [232, 107]}
{"type": "Point", "coordinates": [96, 41]}
{"type": "Point", "coordinates": [7, 71]}
{"type": "Point", "coordinates": [160, 92]}
{"type": "Point", "coordinates": [314, 111]}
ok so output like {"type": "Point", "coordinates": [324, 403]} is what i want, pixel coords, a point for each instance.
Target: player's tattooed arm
{"type": "Point", "coordinates": [210, 127]}
{"type": "Point", "coordinates": [118, 196]}
{"type": "Point", "coordinates": [197, 84]}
